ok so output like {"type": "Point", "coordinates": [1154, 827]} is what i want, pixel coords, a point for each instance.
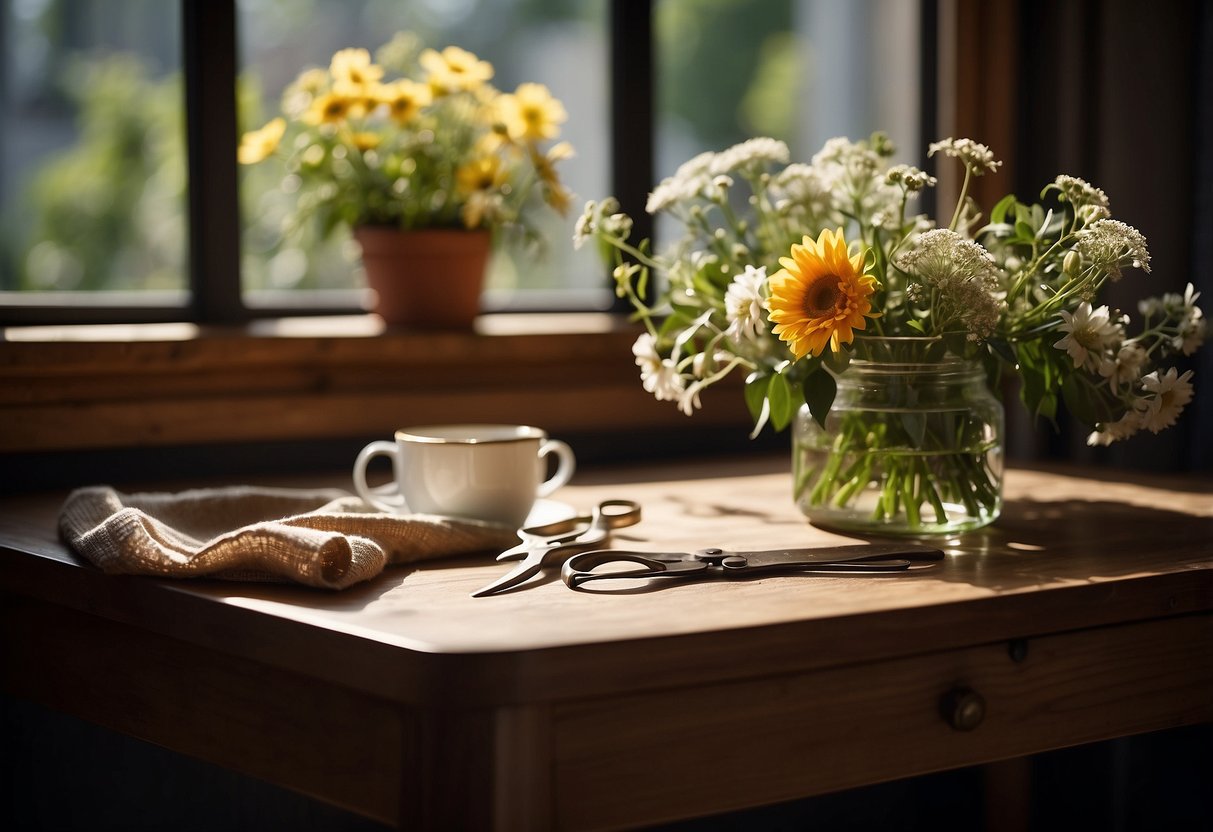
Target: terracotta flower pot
{"type": "Point", "coordinates": [429, 279]}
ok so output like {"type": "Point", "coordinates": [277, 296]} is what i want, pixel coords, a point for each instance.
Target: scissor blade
{"type": "Point", "coordinates": [791, 558]}
{"type": "Point", "coordinates": [519, 551]}
{"type": "Point", "coordinates": [520, 574]}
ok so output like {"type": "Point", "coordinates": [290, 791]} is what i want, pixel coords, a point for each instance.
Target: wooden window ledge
{"type": "Point", "coordinates": [154, 385]}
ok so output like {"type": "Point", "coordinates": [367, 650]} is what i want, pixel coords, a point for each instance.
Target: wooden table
{"type": "Point", "coordinates": [1085, 613]}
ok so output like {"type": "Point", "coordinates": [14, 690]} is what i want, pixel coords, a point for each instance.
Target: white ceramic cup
{"type": "Point", "coordinates": [492, 473]}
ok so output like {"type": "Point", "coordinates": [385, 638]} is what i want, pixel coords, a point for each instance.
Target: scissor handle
{"type": "Point", "coordinates": [579, 569]}
{"type": "Point", "coordinates": [615, 514]}
{"type": "Point", "coordinates": [608, 514]}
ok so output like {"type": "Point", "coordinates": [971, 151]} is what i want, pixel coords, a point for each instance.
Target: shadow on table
{"type": "Point", "coordinates": [1040, 542]}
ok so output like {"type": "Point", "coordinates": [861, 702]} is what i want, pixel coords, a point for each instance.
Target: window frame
{"type": "Point", "coordinates": [214, 294]}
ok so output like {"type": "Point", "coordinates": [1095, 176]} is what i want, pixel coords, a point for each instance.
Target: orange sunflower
{"type": "Point", "coordinates": [820, 296]}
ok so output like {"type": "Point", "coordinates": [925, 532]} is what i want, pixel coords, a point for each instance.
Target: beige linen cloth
{"type": "Point", "coordinates": [322, 538]}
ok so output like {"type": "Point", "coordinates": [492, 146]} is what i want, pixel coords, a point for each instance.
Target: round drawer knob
{"type": "Point", "coordinates": [963, 709]}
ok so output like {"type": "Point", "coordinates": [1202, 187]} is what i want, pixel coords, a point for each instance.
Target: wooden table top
{"type": "Point", "coordinates": [1072, 550]}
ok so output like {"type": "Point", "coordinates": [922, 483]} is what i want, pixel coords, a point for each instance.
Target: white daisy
{"type": "Point", "coordinates": [688, 399]}
{"type": "Point", "coordinates": [743, 304]}
{"type": "Point", "coordinates": [1191, 325]}
{"type": "Point", "coordinates": [659, 375]}
{"type": "Point", "coordinates": [1122, 428]}
{"type": "Point", "coordinates": [1088, 333]}
{"type": "Point", "coordinates": [1125, 368]}
{"type": "Point", "coordinates": [1170, 392]}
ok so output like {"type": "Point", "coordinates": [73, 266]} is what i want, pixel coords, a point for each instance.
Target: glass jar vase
{"type": "Point", "coordinates": [913, 444]}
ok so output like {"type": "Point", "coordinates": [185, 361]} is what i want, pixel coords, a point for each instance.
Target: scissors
{"type": "Point", "coordinates": [541, 543]}
{"type": "Point", "coordinates": [704, 564]}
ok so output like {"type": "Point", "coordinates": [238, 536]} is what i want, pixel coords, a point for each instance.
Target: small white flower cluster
{"type": "Point", "coordinates": [1110, 245]}
{"type": "Point", "coordinates": [854, 172]}
{"type": "Point", "coordinates": [958, 277]}
{"type": "Point", "coordinates": [1190, 323]}
{"type": "Point", "coordinates": [910, 177]}
{"type": "Point", "coordinates": [976, 157]}
{"type": "Point", "coordinates": [1079, 192]}
{"type": "Point", "coordinates": [802, 194]}
{"type": "Point", "coordinates": [706, 175]}
{"type": "Point", "coordinates": [749, 153]}
{"type": "Point", "coordinates": [604, 217]}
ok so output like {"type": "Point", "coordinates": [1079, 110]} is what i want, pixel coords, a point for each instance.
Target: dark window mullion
{"type": "Point", "coordinates": [209, 59]}
{"type": "Point", "coordinates": [928, 89]}
{"type": "Point", "coordinates": [633, 130]}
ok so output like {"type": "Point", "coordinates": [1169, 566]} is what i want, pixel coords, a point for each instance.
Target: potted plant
{"type": "Point", "coordinates": [425, 168]}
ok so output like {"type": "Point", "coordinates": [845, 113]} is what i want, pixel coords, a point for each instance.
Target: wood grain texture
{"type": "Point", "coordinates": [708, 750]}
{"type": "Point", "coordinates": [537, 708]}
{"type": "Point", "coordinates": [320, 739]}
{"type": "Point", "coordinates": [1070, 552]}
{"type": "Point", "coordinates": [114, 387]}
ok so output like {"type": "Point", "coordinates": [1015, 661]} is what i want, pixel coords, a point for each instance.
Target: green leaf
{"type": "Point", "coordinates": [1002, 349]}
{"type": "Point", "coordinates": [914, 323]}
{"type": "Point", "coordinates": [999, 214]}
{"type": "Point", "coordinates": [756, 386]}
{"type": "Point", "coordinates": [936, 351]}
{"type": "Point", "coordinates": [783, 407]}
{"type": "Point", "coordinates": [1048, 408]}
{"type": "Point", "coordinates": [819, 392]}
{"type": "Point", "coordinates": [1077, 397]}
{"type": "Point", "coordinates": [1037, 375]}
{"type": "Point", "coordinates": [1024, 231]}
{"type": "Point", "coordinates": [1044, 224]}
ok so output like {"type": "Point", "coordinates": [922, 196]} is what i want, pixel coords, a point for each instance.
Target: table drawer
{"type": "Point", "coordinates": [644, 758]}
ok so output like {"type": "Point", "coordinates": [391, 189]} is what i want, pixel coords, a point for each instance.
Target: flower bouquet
{"type": "Point", "coordinates": [434, 149]}
{"type": "Point", "coordinates": [880, 334]}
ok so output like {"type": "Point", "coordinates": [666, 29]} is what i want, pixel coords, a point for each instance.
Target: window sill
{"type": "Point", "coordinates": [153, 385]}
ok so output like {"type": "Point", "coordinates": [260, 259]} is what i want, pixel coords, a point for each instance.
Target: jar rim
{"type": "Point", "coordinates": [905, 351]}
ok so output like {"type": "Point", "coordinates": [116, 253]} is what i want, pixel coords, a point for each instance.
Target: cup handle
{"type": "Point", "coordinates": [388, 498]}
{"type": "Point", "coordinates": [565, 465]}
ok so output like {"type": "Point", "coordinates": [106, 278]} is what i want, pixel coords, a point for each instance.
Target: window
{"type": "Point", "coordinates": [92, 153]}
{"type": "Point", "coordinates": [724, 70]}
{"type": "Point", "coordinates": [559, 43]}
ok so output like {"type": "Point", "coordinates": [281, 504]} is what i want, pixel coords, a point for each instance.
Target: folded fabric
{"type": "Point", "coordinates": [323, 538]}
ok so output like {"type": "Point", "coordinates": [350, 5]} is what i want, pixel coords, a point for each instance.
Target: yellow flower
{"type": "Point", "coordinates": [312, 81]}
{"type": "Point", "coordinates": [353, 66]}
{"type": "Point", "coordinates": [362, 98]}
{"type": "Point", "coordinates": [820, 296]}
{"type": "Point", "coordinates": [330, 108]}
{"type": "Point", "coordinates": [300, 93]}
{"type": "Point", "coordinates": [531, 113]}
{"type": "Point", "coordinates": [556, 194]}
{"type": "Point", "coordinates": [480, 174]}
{"type": "Point", "coordinates": [480, 180]}
{"type": "Point", "coordinates": [256, 145]}
{"type": "Point", "coordinates": [365, 141]}
{"type": "Point", "coordinates": [454, 69]}
{"type": "Point", "coordinates": [404, 99]}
